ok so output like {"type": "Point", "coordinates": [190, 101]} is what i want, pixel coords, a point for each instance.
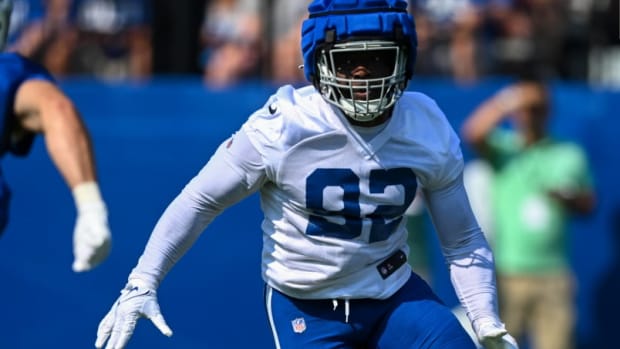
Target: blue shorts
{"type": "Point", "coordinates": [413, 318]}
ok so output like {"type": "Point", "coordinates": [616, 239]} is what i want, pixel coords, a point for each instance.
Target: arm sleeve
{"type": "Point", "coordinates": [465, 249]}
{"type": "Point", "coordinates": [233, 172]}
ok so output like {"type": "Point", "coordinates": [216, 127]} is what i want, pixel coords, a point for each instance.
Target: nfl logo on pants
{"type": "Point", "coordinates": [299, 325]}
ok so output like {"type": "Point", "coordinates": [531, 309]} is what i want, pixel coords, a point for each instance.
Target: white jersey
{"type": "Point", "coordinates": [333, 200]}
{"type": "Point", "coordinates": [334, 203]}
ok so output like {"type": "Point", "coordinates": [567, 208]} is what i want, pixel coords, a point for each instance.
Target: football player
{"type": "Point", "coordinates": [31, 103]}
{"type": "Point", "coordinates": [337, 164]}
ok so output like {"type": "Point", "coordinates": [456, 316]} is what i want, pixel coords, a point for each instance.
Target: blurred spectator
{"type": "Point", "coordinates": [512, 46]}
{"type": "Point", "coordinates": [45, 35]}
{"type": "Point", "coordinates": [604, 55]}
{"type": "Point", "coordinates": [469, 39]}
{"type": "Point", "coordinates": [464, 45]}
{"type": "Point", "coordinates": [286, 17]}
{"type": "Point", "coordinates": [176, 36]}
{"type": "Point", "coordinates": [23, 14]}
{"type": "Point", "coordinates": [232, 41]}
{"type": "Point", "coordinates": [113, 39]}
{"type": "Point", "coordinates": [227, 41]}
{"type": "Point", "coordinates": [538, 183]}
{"type": "Point", "coordinates": [549, 19]}
{"type": "Point", "coordinates": [575, 44]}
{"type": "Point", "coordinates": [108, 39]}
{"type": "Point", "coordinates": [551, 36]}
{"type": "Point", "coordinates": [449, 40]}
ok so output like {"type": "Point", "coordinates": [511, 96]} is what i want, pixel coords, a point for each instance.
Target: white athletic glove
{"type": "Point", "coordinates": [136, 301]}
{"type": "Point", "coordinates": [492, 334]}
{"type": "Point", "coordinates": [91, 235]}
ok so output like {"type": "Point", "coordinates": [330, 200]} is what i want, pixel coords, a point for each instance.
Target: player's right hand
{"type": "Point", "coordinates": [136, 301]}
{"type": "Point", "coordinates": [91, 235]}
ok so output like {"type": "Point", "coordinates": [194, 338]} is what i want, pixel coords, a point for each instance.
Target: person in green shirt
{"type": "Point", "coordinates": [538, 183]}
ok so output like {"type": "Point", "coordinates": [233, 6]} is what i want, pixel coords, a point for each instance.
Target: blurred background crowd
{"type": "Point", "coordinates": [230, 41]}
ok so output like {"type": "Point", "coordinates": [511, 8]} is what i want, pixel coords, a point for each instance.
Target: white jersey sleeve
{"type": "Point", "coordinates": [463, 244]}
{"type": "Point", "coordinates": [233, 172]}
{"type": "Point", "coordinates": [469, 258]}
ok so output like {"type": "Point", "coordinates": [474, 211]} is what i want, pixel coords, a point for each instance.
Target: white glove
{"type": "Point", "coordinates": [135, 301]}
{"type": "Point", "coordinates": [492, 334]}
{"type": "Point", "coordinates": [91, 235]}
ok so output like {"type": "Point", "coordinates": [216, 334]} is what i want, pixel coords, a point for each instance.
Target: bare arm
{"type": "Point", "coordinates": [580, 202]}
{"type": "Point", "coordinates": [492, 111]}
{"type": "Point", "coordinates": [482, 121]}
{"type": "Point", "coordinates": [235, 171]}
{"type": "Point", "coordinates": [41, 107]}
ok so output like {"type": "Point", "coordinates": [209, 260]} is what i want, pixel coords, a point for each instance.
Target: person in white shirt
{"type": "Point", "coordinates": [337, 163]}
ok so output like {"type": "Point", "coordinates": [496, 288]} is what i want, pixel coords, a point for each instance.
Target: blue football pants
{"type": "Point", "coordinates": [413, 318]}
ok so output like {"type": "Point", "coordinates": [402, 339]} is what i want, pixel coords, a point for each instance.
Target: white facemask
{"type": "Point", "coordinates": [362, 99]}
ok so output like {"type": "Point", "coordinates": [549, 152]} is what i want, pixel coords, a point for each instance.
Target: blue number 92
{"type": "Point", "coordinates": [385, 218]}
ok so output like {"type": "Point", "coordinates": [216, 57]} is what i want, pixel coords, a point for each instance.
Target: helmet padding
{"type": "Point", "coordinates": [332, 21]}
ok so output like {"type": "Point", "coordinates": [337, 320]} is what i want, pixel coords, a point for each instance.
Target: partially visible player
{"type": "Point", "coordinates": [337, 164]}
{"type": "Point", "coordinates": [30, 104]}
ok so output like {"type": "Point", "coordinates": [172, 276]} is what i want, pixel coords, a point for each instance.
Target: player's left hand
{"type": "Point", "coordinates": [493, 335]}
{"type": "Point", "coordinates": [136, 301]}
{"type": "Point", "coordinates": [91, 235]}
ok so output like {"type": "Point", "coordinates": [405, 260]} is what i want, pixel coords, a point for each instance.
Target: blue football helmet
{"type": "Point", "coordinates": [339, 36]}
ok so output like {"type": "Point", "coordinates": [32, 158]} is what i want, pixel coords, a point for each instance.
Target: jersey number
{"type": "Point", "coordinates": [385, 218]}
